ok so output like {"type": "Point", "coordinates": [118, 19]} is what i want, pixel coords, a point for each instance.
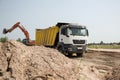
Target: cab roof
{"type": "Point", "coordinates": [59, 24]}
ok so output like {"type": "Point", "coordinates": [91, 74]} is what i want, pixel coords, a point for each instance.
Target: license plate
{"type": "Point", "coordinates": [79, 47]}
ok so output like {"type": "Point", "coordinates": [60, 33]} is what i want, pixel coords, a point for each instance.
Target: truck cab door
{"type": "Point", "coordinates": [64, 37]}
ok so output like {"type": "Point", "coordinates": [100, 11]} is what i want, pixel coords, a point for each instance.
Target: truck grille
{"type": "Point", "coordinates": [79, 41]}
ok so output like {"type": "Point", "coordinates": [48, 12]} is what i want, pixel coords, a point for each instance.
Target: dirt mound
{"type": "Point", "coordinates": [114, 74]}
{"type": "Point", "coordinates": [3, 61]}
{"type": "Point", "coordinates": [22, 62]}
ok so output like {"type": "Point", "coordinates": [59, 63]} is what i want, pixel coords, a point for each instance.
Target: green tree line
{"type": "Point", "coordinates": [3, 39]}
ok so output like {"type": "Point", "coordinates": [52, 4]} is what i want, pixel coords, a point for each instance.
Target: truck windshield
{"type": "Point", "coordinates": [78, 31]}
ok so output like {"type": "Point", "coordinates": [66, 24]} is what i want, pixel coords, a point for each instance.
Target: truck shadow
{"type": "Point", "coordinates": [74, 57]}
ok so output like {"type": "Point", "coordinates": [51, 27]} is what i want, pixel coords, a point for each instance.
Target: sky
{"type": "Point", "coordinates": [101, 17]}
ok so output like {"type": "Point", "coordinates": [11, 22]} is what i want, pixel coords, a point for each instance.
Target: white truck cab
{"type": "Point", "coordinates": [72, 39]}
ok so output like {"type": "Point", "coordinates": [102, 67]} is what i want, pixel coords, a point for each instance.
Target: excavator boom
{"type": "Point", "coordinates": [5, 31]}
{"type": "Point", "coordinates": [27, 40]}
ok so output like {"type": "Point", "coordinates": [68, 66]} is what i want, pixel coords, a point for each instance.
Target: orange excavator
{"type": "Point", "coordinates": [26, 41]}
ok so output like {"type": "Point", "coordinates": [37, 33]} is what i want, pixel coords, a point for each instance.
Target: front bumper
{"type": "Point", "coordinates": [75, 48]}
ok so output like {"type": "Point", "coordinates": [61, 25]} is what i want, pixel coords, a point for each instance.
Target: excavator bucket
{"type": "Point", "coordinates": [4, 31]}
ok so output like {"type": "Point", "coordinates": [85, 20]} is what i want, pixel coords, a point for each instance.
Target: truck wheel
{"type": "Point", "coordinates": [69, 55]}
{"type": "Point", "coordinates": [60, 49]}
{"type": "Point", "coordinates": [80, 54]}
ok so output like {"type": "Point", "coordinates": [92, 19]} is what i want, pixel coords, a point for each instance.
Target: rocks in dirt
{"type": "Point", "coordinates": [114, 74]}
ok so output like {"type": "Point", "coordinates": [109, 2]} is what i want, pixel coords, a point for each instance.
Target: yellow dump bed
{"type": "Point", "coordinates": [47, 36]}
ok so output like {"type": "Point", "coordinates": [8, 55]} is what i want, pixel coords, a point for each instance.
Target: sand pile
{"type": "Point", "coordinates": [21, 62]}
{"type": "Point", "coordinates": [3, 61]}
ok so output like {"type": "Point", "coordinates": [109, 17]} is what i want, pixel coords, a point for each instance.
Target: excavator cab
{"type": "Point", "coordinates": [26, 42]}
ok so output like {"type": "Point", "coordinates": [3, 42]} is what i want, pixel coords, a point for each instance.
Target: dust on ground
{"type": "Point", "coordinates": [20, 62]}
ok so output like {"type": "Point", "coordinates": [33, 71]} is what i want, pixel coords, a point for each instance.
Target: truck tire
{"type": "Point", "coordinates": [60, 49]}
{"type": "Point", "coordinates": [70, 55]}
{"type": "Point", "coordinates": [80, 54]}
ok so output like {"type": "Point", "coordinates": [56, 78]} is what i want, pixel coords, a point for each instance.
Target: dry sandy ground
{"type": "Point", "coordinates": [106, 62]}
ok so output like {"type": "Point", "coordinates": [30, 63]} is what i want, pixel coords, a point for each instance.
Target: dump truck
{"type": "Point", "coordinates": [68, 38]}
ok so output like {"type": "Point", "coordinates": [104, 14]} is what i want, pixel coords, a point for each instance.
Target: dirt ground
{"type": "Point", "coordinates": [106, 63]}
{"type": "Point", "coordinates": [20, 62]}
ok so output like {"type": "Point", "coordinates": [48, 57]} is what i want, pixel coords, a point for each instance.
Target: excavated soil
{"type": "Point", "coordinates": [20, 62]}
{"type": "Point", "coordinates": [114, 74]}
{"type": "Point", "coordinates": [106, 63]}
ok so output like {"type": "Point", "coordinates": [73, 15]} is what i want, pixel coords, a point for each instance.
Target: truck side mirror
{"type": "Point", "coordinates": [67, 35]}
{"type": "Point", "coordinates": [87, 33]}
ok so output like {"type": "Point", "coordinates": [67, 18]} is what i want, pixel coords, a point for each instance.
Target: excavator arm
{"type": "Point", "coordinates": [5, 31]}
{"type": "Point", "coordinates": [24, 31]}
{"type": "Point", "coordinates": [25, 41]}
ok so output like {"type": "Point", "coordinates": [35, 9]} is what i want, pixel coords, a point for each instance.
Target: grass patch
{"type": "Point", "coordinates": [104, 46]}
